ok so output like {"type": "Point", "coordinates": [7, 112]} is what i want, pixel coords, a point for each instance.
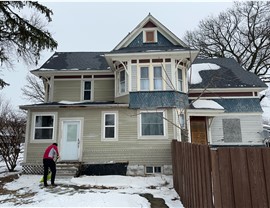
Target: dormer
{"type": "Point", "coordinates": [150, 33]}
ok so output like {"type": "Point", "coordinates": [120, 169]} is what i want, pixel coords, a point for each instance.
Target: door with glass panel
{"type": "Point", "coordinates": [70, 145]}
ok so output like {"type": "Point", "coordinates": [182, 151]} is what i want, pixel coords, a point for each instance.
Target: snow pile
{"type": "Point", "coordinates": [193, 72]}
{"type": "Point", "coordinates": [209, 104]}
{"type": "Point", "coordinates": [86, 191]}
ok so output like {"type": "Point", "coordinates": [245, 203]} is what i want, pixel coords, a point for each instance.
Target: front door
{"type": "Point", "coordinates": [70, 140]}
{"type": "Point", "coordinates": [198, 130]}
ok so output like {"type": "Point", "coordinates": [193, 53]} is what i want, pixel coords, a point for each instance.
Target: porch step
{"type": "Point", "coordinates": [67, 169]}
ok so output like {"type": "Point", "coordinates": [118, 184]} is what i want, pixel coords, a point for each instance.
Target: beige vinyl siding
{"type": "Point", "coordinates": [103, 90]}
{"type": "Point", "coordinates": [122, 99]}
{"type": "Point", "coordinates": [250, 127]}
{"type": "Point", "coordinates": [67, 90]}
{"type": "Point", "coordinates": [129, 148]}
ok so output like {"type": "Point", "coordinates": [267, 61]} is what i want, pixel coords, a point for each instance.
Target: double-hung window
{"type": "Point", "coordinates": [122, 81]}
{"type": "Point", "coordinates": [43, 127]}
{"type": "Point", "coordinates": [152, 124]}
{"type": "Point", "coordinates": [87, 90]}
{"type": "Point", "coordinates": [109, 125]}
{"type": "Point", "coordinates": [145, 78]}
{"type": "Point", "coordinates": [180, 80]}
{"type": "Point", "coordinates": [157, 78]}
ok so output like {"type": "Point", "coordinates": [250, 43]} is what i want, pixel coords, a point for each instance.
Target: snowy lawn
{"type": "Point", "coordinates": [86, 191]}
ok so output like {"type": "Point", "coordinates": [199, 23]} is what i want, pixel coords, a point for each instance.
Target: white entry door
{"type": "Point", "coordinates": [70, 146]}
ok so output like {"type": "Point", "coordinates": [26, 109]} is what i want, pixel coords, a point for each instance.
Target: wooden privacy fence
{"type": "Point", "coordinates": [225, 177]}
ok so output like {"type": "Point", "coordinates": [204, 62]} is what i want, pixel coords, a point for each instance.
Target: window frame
{"type": "Point", "coordinates": [154, 170]}
{"type": "Point", "coordinates": [145, 36]}
{"type": "Point", "coordinates": [179, 81]}
{"type": "Point", "coordinates": [54, 127]}
{"type": "Point", "coordinates": [83, 90]}
{"type": "Point", "coordinates": [148, 67]}
{"type": "Point", "coordinates": [164, 136]}
{"type": "Point", "coordinates": [160, 78]}
{"type": "Point", "coordinates": [125, 82]}
{"type": "Point", "coordinates": [103, 124]}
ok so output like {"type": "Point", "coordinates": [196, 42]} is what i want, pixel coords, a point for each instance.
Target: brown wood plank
{"type": "Point", "coordinates": [192, 172]}
{"type": "Point", "coordinates": [202, 162]}
{"type": "Point", "coordinates": [216, 179]}
{"type": "Point", "coordinates": [266, 164]}
{"type": "Point", "coordinates": [256, 176]}
{"type": "Point", "coordinates": [209, 193]}
{"type": "Point", "coordinates": [200, 194]}
{"type": "Point", "coordinates": [225, 173]}
{"type": "Point", "coordinates": [242, 192]}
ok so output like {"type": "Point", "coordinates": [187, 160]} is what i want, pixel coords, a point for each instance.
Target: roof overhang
{"type": "Point", "coordinates": [205, 112]}
{"type": "Point", "coordinates": [189, 55]}
{"type": "Point", "coordinates": [213, 90]}
{"type": "Point", "coordinates": [70, 106]}
{"type": "Point", "coordinates": [49, 73]}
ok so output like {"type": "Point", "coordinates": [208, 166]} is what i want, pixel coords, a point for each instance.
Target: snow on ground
{"type": "Point", "coordinates": [86, 191]}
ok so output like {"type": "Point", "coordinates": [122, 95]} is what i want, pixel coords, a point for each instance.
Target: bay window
{"type": "Point", "coordinates": [144, 78]}
{"type": "Point", "coordinates": [157, 78]}
{"type": "Point", "coordinates": [122, 81]}
{"type": "Point", "coordinates": [180, 80]}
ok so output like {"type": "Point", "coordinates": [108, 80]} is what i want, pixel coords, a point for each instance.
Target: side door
{"type": "Point", "coordinates": [198, 130]}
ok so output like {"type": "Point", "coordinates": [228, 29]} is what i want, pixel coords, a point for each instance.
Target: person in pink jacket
{"type": "Point", "coordinates": [51, 153]}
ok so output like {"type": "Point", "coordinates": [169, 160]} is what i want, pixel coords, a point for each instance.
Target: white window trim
{"type": "Point", "coordinates": [119, 82]}
{"type": "Point", "coordinates": [82, 89]}
{"type": "Point", "coordinates": [33, 140]}
{"type": "Point", "coordinates": [151, 77]}
{"type": "Point", "coordinates": [104, 113]}
{"type": "Point", "coordinates": [181, 80]}
{"type": "Point", "coordinates": [153, 170]}
{"type": "Point", "coordinates": [162, 77]}
{"type": "Point", "coordinates": [153, 137]}
{"type": "Point", "coordinates": [150, 30]}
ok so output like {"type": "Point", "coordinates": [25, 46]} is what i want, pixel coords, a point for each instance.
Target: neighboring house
{"type": "Point", "coordinates": [127, 105]}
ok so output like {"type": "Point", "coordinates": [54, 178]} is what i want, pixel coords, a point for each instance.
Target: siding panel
{"type": "Point", "coordinates": [67, 90]}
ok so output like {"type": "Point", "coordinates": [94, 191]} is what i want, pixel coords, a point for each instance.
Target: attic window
{"type": "Point", "coordinates": [150, 36]}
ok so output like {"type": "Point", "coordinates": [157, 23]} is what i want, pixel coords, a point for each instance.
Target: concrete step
{"type": "Point", "coordinates": [67, 169]}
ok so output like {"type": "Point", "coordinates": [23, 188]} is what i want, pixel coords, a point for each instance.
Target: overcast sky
{"type": "Point", "coordinates": [90, 26]}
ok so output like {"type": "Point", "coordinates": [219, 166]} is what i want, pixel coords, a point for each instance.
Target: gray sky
{"type": "Point", "coordinates": [91, 26]}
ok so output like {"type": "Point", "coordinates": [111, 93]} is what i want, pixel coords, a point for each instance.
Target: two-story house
{"type": "Point", "coordinates": [127, 105]}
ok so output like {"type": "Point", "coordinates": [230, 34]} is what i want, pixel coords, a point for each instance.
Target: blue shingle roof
{"type": "Point", "coordinates": [76, 60]}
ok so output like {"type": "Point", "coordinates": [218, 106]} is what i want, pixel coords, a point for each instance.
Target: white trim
{"type": "Point", "coordinates": [103, 114]}
{"type": "Point", "coordinates": [153, 137]}
{"type": "Point", "coordinates": [91, 91]}
{"type": "Point", "coordinates": [60, 133]}
{"type": "Point", "coordinates": [54, 114]}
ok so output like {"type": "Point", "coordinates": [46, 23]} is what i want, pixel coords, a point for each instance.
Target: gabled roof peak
{"type": "Point", "coordinates": [150, 22]}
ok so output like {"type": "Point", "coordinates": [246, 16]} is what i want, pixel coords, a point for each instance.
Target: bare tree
{"type": "Point", "coordinates": [242, 32]}
{"type": "Point", "coordinates": [34, 89]}
{"type": "Point", "coordinates": [12, 130]}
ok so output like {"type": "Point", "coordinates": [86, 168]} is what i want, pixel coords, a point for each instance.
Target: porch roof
{"type": "Point", "coordinates": [235, 105]}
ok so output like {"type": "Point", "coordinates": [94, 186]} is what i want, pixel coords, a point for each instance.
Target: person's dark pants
{"type": "Point", "coordinates": [49, 163]}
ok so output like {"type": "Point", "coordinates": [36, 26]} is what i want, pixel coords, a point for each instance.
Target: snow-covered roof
{"type": "Point", "coordinates": [221, 73]}
{"type": "Point", "coordinates": [207, 104]}
{"type": "Point", "coordinates": [194, 71]}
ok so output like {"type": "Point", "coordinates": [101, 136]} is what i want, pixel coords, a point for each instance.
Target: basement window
{"type": "Point", "coordinates": [152, 169]}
